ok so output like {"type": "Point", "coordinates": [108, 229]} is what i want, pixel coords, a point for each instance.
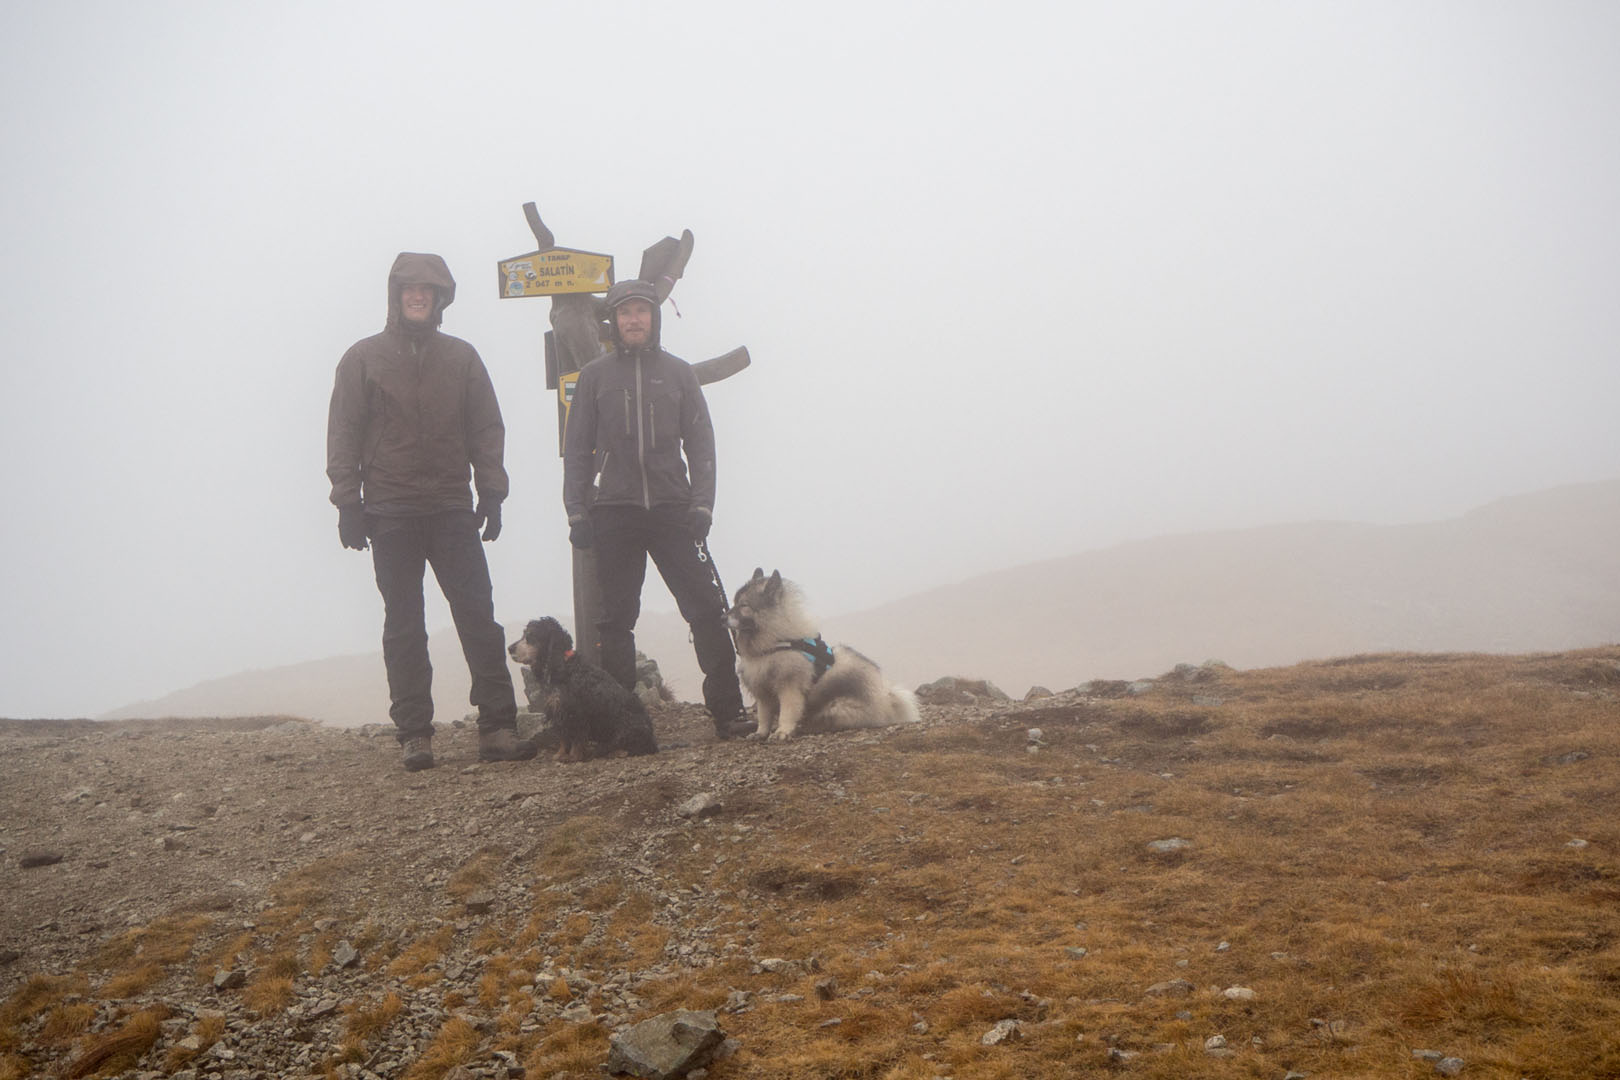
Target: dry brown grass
{"type": "Point", "coordinates": [418, 956]}
{"type": "Point", "coordinates": [368, 1021]}
{"type": "Point", "coordinates": [1381, 841]}
{"type": "Point", "coordinates": [37, 995]}
{"type": "Point", "coordinates": [120, 1048]}
{"type": "Point", "coordinates": [570, 1052]}
{"type": "Point", "coordinates": [476, 873]}
{"type": "Point", "coordinates": [223, 955]}
{"type": "Point", "coordinates": [576, 847]}
{"type": "Point", "coordinates": [268, 994]}
{"type": "Point", "coordinates": [207, 1031]}
{"type": "Point", "coordinates": [68, 1021]}
{"type": "Point", "coordinates": [453, 1045]}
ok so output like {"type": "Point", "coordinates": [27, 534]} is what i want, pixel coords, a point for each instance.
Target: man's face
{"type": "Point", "coordinates": [635, 322]}
{"type": "Point", "coordinates": [416, 302]}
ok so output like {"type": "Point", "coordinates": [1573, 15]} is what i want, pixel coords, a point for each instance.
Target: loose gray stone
{"type": "Point", "coordinates": [666, 1047]}
{"type": "Point", "coordinates": [1164, 847]}
{"type": "Point", "coordinates": [31, 859]}
{"type": "Point", "coordinates": [1005, 1031]}
{"type": "Point", "coordinates": [1238, 993]}
{"type": "Point", "coordinates": [229, 980]}
{"type": "Point", "coordinates": [345, 955]}
{"type": "Point", "coordinates": [827, 989]}
{"type": "Point", "coordinates": [1076, 952]}
{"type": "Point", "coordinates": [1450, 1066]}
{"type": "Point", "coordinates": [1215, 1042]}
{"type": "Point", "coordinates": [953, 691]}
{"type": "Point", "coordinates": [1176, 987]}
{"type": "Point", "coordinates": [1427, 1055]}
{"type": "Point", "coordinates": [480, 903]}
{"type": "Point", "coordinates": [700, 806]}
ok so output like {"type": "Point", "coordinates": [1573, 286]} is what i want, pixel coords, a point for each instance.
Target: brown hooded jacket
{"type": "Point", "coordinates": [413, 410]}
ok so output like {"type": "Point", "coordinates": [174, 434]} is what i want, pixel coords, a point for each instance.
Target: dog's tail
{"type": "Point", "coordinates": [902, 706]}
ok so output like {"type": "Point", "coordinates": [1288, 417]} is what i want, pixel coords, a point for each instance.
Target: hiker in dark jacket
{"type": "Point", "coordinates": [413, 412]}
{"type": "Point", "coordinates": [638, 426]}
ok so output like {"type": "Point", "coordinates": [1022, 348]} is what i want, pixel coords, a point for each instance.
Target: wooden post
{"type": "Point", "coordinates": [570, 278]}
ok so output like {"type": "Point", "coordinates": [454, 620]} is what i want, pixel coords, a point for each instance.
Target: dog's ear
{"type": "Point", "coordinates": [759, 575]}
{"type": "Point", "coordinates": [774, 586]}
{"type": "Point", "coordinates": [557, 650]}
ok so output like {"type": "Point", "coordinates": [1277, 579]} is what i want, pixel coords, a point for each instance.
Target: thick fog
{"type": "Point", "coordinates": [1018, 280]}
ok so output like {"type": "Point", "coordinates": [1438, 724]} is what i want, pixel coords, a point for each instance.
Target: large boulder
{"type": "Point", "coordinates": [666, 1047]}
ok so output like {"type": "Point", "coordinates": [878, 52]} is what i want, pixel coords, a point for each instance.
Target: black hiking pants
{"type": "Point", "coordinates": [401, 550]}
{"type": "Point", "coordinates": [624, 537]}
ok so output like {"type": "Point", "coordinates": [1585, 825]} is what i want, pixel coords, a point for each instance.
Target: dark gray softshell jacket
{"type": "Point", "coordinates": [413, 413]}
{"type": "Point", "coordinates": [634, 413]}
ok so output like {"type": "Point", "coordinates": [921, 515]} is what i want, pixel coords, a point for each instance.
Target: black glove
{"type": "Point", "coordinates": [699, 523]}
{"type": "Point", "coordinates": [579, 534]}
{"type": "Point", "coordinates": [488, 518]}
{"type": "Point", "coordinates": [352, 526]}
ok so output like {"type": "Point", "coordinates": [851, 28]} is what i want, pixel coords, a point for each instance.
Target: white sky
{"type": "Point", "coordinates": [1018, 279]}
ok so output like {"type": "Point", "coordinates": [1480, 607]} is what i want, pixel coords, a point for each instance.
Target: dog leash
{"type": "Point", "coordinates": [714, 578]}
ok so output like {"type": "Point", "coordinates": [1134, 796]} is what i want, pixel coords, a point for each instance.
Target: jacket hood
{"type": "Point", "coordinates": [633, 289]}
{"type": "Point", "coordinates": [411, 268]}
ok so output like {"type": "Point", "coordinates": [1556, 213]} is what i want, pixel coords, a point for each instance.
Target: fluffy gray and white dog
{"type": "Point", "coordinates": [799, 682]}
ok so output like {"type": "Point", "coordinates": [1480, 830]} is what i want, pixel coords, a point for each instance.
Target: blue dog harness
{"type": "Point", "coordinates": [818, 651]}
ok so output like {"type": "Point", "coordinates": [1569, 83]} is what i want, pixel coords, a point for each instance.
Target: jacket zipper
{"type": "Point", "coordinates": [641, 444]}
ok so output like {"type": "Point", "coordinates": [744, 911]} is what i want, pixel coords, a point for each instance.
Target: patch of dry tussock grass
{"type": "Point", "coordinates": [476, 873]}
{"type": "Point", "coordinates": [367, 1020]}
{"type": "Point", "coordinates": [68, 1021]}
{"type": "Point", "coordinates": [452, 1045]}
{"type": "Point", "coordinates": [1380, 841]}
{"type": "Point", "coordinates": [120, 1048]}
{"type": "Point", "coordinates": [417, 956]}
{"type": "Point", "coordinates": [569, 1052]}
{"type": "Point", "coordinates": [575, 848]}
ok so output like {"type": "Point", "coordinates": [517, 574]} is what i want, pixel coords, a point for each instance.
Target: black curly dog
{"type": "Point", "coordinates": [586, 704]}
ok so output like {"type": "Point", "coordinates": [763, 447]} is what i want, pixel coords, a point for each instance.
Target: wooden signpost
{"type": "Point", "coordinates": [578, 334]}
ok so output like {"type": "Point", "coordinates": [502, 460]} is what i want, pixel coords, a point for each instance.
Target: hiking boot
{"type": "Point", "coordinates": [738, 727]}
{"type": "Point", "coordinates": [417, 752]}
{"type": "Point", "coordinates": [502, 744]}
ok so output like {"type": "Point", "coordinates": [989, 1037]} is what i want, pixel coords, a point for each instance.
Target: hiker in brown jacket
{"type": "Point", "coordinates": [413, 412]}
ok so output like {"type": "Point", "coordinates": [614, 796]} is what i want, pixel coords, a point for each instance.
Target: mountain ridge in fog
{"type": "Point", "coordinates": [1532, 572]}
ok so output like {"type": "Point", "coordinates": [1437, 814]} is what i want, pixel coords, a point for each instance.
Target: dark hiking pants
{"type": "Point", "coordinates": [401, 549]}
{"type": "Point", "coordinates": [624, 537]}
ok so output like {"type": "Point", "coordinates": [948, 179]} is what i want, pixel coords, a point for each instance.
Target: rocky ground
{"type": "Point", "coordinates": [1391, 866]}
{"type": "Point", "coordinates": [110, 829]}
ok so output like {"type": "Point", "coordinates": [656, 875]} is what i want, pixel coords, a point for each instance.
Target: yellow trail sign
{"type": "Point", "coordinates": [555, 271]}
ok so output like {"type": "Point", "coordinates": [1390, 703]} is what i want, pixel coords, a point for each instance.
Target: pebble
{"type": "Point", "coordinates": [1178, 987]}
{"type": "Point", "coordinates": [1174, 843]}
